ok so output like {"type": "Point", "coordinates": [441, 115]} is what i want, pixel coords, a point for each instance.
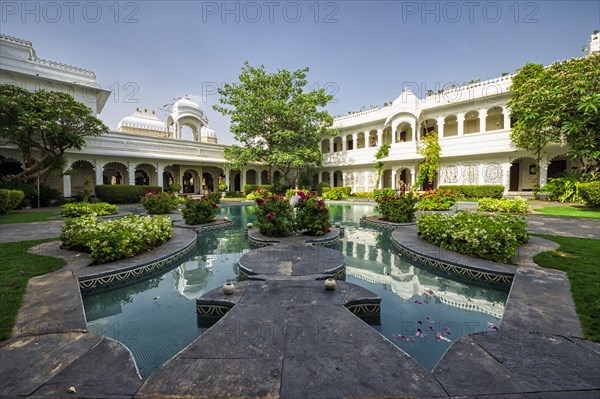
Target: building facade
{"type": "Point", "coordinates": [473, 124]}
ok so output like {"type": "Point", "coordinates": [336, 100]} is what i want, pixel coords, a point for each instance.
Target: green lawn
{"type": "Point", "coordinates": [28, 216]}
{"type": "Point", "coordinates": [578, 257]}
{"type": "Point", "coordinates": [570, 210]}
{"type": "Point", "coordinates": [17, 267]}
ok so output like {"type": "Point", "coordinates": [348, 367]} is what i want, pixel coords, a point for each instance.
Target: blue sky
{"type": "Point", "coordinates": [363, 52]}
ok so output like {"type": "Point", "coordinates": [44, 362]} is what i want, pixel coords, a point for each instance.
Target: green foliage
{"type": "Point", "coordinates": [382, 152]}
{"type": "Point", "coordinates": [159, 203]}
{"type": "Point", "coordinates": [312, 215]}
{"type": "Point", "coordinates": [430, 148]}
{"type": "Point", "coordinates": [18, 266]}
{"type": "Point", "coordinates": [436, 200]}
{"type": "Point", "coordinates": [49, 196]}
{"type": "Point", "coordinates": [563, 189]}
{"type": "Point", "coordinates": [274, 216]}
{"type": "Point", "coordinates": [222, 187]}
{"type": "Point", "coordinates": [337, 193]}
{"type": "Point", "coordinates": [559, 103]}
{"type": "Point", "coordinates": [43, 125]}
{"type": "Point", "coordinates": [116, 238]}
{"type": "Point", "coordinates": [121, 194]}
{"type": "Point", "coordinates": [321, 186]}
{"type": "Point", "coordinates": [29, 189]}
{"type": "Point", "coordinates": [590, 193]}
{"type": "Point", "coordinates": [486, 236]}
{"type": "Point", "coordinates": [10, 199]}
{"type": "Point", "coordinates": [363, 194]}
{"type": "Point", "coordinates": [174, 188]}
{"type": "Point", "coordinates": [384, 192]}
{"type": "Point", "coordinates": [234, 194]}
{"type": "Point", "coordinates": [35, 216]}
{"type": "Point", "coordinates": [248, 188]}
{"type": "Point", "coordinates": [77, 209]}
{"type": "Point", "coordinates": [398, 209]}
{"type": "Point", "coordinates": [214, 197]}
{"type": "Point", "coordinates": [579, 258]}
{"type": "Point", "coordinates": [275, 120]}
{"type": "Point", "coordinates": [198, 211]}
{"type": "Point", "coordinates": [576, 211]}
{"type": "Point", "coordinates": [293, 191]}
{"type": "Point", "coordinates": [475, 191]}
{"type": "Point", "coordinates": [517, 205]}
{"type": "Point", "coordinates": [258, 193]}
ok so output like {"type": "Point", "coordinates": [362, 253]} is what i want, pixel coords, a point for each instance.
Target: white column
{"type": "Point", "coordinates": [226, 173]}
{"type": "Point", "coordinates": [412, 176]}
{"type": "Point", "coordinates": [366, 177]}
{"type": "Point", "coordinates": [506, 115]}
{"type": "Point", "coordinates": [160, 168]}
{"type": "Point", "coordinates": [99, 170]}
{"type": "Point", "coordinates": [243, 178]}
{"type": "Point", "coordinates": [480, 170]}
{"type": "Point", "coordinates": [440, 123]}
{"type": "Point", "coordinates": [482, 118]}
{"type": "Point", "coordinates": [131, 173]}
{"type": "Point", "coordinates": [331, 145]}
{"type": "Point", "coordinates": [320, 177]}
{"type": "Point", "coordinates": [354, 141]}
{"type": "Point", "coordinates": [67, 186]}
{"type": "Point", "coordinates": [379, 137]}
{"type": "Point", "coordinates": [344, 144]}
{"type": "Point", "coordinates": [395, 137]}
{"type": "Point", "coordinates": [417, 131]}
{"type": "Point", "coordinates": [506, 175]}
{"type": "Point", "coordinates": [394, 183]}
{"type": "Point", "coordinates": [543, 172]}
{"type": "Point", "coordinates": [460, 119]}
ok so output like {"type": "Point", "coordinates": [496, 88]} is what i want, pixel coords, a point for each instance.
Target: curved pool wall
{"type": "Point", "coordinates": [156, 317]}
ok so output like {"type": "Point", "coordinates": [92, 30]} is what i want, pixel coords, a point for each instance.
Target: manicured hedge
{"type": "Point", "coordinates": [77, 209]}
{"type": "Point", "coordinates": [121, 194]}
{"type": "Point", "coordinates": [590, 193]}
{"type": "Point", "coordinates": [475, 191]}
{"type": "Point", "coordinates": [321, 188]}
{"type": "Point", "coordinates": [9, 199]}
{"type": "Point", "coordinates": [486, 236]}
{"type": "Point", "coordinates": [517, 205]}
{"type": "Point", "coordinates": [248, 188]}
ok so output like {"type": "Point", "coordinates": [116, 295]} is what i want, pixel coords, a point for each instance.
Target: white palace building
{"type": "Point", "coordinates": [472, 121]}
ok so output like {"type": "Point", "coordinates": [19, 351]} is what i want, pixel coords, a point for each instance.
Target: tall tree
{"type": "Point", "coordinates": [43, 125]}
{"type": "Point", "coordinates": [276, 121]}
{"type": "Point", "coordinates": [559, 103]}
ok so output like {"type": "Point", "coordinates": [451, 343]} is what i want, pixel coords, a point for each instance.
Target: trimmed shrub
{"type": "Point", "coordinates": [29, 190]}
{"type": "Point", "coordinates": [384, 192]}
{"type": "Point", "coordinates": [274, 216]}
{"type": "Point", "coordinates": [436, 200]}
{"type": "Point", "coordinates": [10, 199]}
{"type": "Point", "coordinates": [292, 191]}
{"type": "Point", "coordinates": [517, 205]}
{"type": "Point", "coordinates": [398, 209]}
{"type": "Point", "coordinates": [476, 191]}
{"type": "Point", "coordinates": [78, 209]}
{"type": "Point", "coordinates": [248, 188]}
{"type": "Point", "coordinates": [590, 193]}
{"type": "Point", "coordinates": [174, 188]}
{"type": "Point", "coordinates": [320, 188]}
{"type": "Point", "coordinates": [486, 236]}
{"type": "Point", "coordinates": [234, 194]}
{"type": "Point", "coordinates": [117, 238]}
{"type": "Point", "coordinates": [199, 211]}
{"type": "Point", "coordinates": [258, 193]}
{"type": "Point", "coordinates": [364, 194]}
{"type": "Point", "coordinates": [158, 203]}
{"type": "Point", "coordinates": [214, 197]}
{"type": "Point", "coordinates": [564, 188]}
{"type": "Point", "coordinates": [120, 194]}
{"type": "Point", "coordinates": [312, 214]}
{"type": "Point", "coordinates": [222, 187]}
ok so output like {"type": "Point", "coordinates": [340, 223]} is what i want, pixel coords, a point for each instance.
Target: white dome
{"type": "Point", "coordinates": [184, 103]}
{"type": "Point", "coordinates": [142, 120]}
{"type": "Point", "coordinates": [207, 132]}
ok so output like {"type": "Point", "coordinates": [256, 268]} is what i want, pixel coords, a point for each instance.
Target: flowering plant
{"type": "Point", "coordinates": [398, 209]}
{"type": "Point", "coordinates": [487, 236]}
{"type": "Point", "coordinates": [274, 217]}
{"type": "Point", "coordinates": [155, 202]}
{"type": "Point", "coordinates": [312, 214]}
{"type": "Point", "coordinates": [199, 211]}
{"type": "Point", "coordinates": [117, 238]}
{"type": "Point", "coordinates": [76, 209]}
{"type": "Point", "coordinates": [436, 200]}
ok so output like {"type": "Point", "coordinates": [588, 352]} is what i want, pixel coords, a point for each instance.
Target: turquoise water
{"type": "Point", "coordinates": [156, 318]}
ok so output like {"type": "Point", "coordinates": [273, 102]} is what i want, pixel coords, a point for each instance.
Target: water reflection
{"type": "Point", "coordinates": [156, 318]}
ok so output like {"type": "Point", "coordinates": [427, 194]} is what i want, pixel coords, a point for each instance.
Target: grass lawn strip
{"type": "Point", "coordinates": [28, 217]}
{"type": "Point", "coordinates": [578, 257]}
{"type": "Point", "coordinates": [17, 267]}
{"type": "Point", "coordinates": [569, 210]}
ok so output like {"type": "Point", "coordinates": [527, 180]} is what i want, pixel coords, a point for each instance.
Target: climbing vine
{"type": "Point", "coordinates": [383, 151]}
{"type": "Point", "coordinates": [430, 149]}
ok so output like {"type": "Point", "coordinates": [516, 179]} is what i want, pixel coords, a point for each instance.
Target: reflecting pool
{"type": "Point", "coordinates": [421, 312]}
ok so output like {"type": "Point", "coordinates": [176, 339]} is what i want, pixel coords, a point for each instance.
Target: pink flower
{"type": "Point", "coordinates": [320, 202]}
{"type": "Point", "coordinates": [260, 201]}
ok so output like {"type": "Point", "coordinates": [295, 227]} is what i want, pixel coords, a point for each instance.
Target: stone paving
{"type": "Point", "coordinates": [537, 353]}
